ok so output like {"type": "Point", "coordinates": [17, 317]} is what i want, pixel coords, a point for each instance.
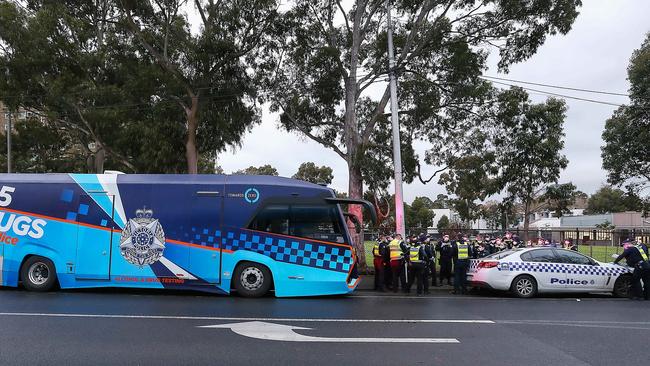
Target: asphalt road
{"type": "Point", "coordinates": [129, 327]}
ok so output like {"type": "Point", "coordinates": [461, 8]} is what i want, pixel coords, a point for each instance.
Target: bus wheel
{"type": "Point", "coordinates": [38, 274]}
{"type": "Point", "coordinates": [252, 279]}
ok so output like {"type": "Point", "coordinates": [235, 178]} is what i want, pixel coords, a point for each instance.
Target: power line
{"type": "Point", "coordinates": [561, 95]}
{"type": "Point", "coordinates": [556, 86]}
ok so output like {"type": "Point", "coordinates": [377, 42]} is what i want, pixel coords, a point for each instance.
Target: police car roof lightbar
{"type": "Point", "coordinates": [352, 201]}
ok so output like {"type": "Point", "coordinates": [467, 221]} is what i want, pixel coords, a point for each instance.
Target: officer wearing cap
{"type": "Point", "coordinates": [398, 252]}
{"type": "Point", "coordinates": [418, 260]}
{"type": "Point", "coordinates": [462, 252]}
{"type": "Point", "coordinates": [378, 253]}
{"type": "Point", "coordinates": [636, 256]}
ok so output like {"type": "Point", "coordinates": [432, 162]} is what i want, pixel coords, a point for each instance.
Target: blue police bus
{"type": "Point", "coordinates": [213, 233]}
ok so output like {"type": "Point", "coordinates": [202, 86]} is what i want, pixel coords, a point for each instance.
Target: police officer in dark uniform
{"type": "Point", "coordinates": [445, 257]}
{"type": "Point", "coordinates": [508, 242]}
{"type": "Point", "coordinates": [379, 254]}
{"type": "Point", "coordinates": [462, 252]}
{"type": "Point", "coordinates": [430, 248]}
{"type": "Point", "coordinates": [636, 256]}
{"type": "Point", "coordinates": [479, 250]}
{"type": "Point", "coordinates": [418, 260]}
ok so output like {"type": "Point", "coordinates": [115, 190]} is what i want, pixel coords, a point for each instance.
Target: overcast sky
{"type": "Point", "coordinates": [594, 55]}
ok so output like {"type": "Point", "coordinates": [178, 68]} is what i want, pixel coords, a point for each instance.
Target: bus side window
{"type": "Point", "coordinates": [316, 222]}
{"type": "Point", "coordinates": [272, 219]}
{"type": "Point", "coordinates": [305, 221]}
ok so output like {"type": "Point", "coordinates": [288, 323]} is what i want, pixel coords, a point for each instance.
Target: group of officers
{"type": "Point", "coordinates": [400, 263]}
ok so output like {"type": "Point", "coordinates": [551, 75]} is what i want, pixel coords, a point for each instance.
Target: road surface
{"type": "Point", "coordinates": [132, 327]}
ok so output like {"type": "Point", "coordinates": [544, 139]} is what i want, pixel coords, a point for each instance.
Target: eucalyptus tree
{"type": "Point", "coordinates": [330, 66]}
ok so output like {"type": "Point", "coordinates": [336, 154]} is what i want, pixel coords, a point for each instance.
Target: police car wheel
{"type": "Point", "coordinates": [524, 286]}
{"type": "Point", "coordinates": [38, 274]}
{"type": "Point", "coordinates": [622, 286]}
{"type": "Point", "coordinates": [252, 279]}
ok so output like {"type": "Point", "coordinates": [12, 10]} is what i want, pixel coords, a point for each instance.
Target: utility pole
{"type": "Point", "coordinates": [397, 155]}
{"type": "Point", "coordinates": [8, 126]}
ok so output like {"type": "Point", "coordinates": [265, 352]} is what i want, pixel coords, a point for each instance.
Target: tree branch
{"type": "Point", "coordinates": [425, 181]}
{"type": "Point", "coordinates": [307, 132]}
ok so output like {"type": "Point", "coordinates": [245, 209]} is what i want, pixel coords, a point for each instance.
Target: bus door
{"type": "Point", "coordinates": [205, 255]}
{"type": "Point", "coordinates": [94, 243]}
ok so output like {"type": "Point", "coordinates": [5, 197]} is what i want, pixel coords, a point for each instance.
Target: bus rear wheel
{"type": "Point", "coordinates": [38, 274]}
{"type": "Point", "coordinates": [252, 279]}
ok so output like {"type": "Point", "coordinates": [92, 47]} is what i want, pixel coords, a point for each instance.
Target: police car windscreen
{"type": "Point", "coordinates": [503, 254]}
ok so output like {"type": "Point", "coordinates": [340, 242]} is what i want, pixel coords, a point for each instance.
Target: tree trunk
{"type": "Point", "coordinates": [191, 153]}
{"type": "Point", "coordinates": [100, 158]}
{"type": "Point", "coordinates": [355, 190]}
{"type": "Point", "coordinates": [526, 219]}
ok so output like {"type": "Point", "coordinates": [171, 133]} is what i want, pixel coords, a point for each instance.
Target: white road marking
{"type": "Point", "coordinates": [285, 333]}
{"type": "Point", "coordinates": [310, 320]}
{"type": "Point", "coordinates": [606, 325]}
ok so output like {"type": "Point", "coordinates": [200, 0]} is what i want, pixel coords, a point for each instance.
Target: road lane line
{"type": "Point", "coordinates": [311, 320]}
{"type": "Point", "coordinates": [605, 325]}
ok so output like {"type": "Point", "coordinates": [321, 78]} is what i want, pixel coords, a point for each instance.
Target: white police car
{"type": "Point", "coordinates": [526, 272]}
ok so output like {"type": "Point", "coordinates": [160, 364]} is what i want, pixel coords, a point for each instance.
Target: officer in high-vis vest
{"type": "Point", "coordinates": [636, 256]}
{"type": "Point", "coordinates": [379, 255]}
{"type": "Point", "coordinates": [462, 250]}
{"type": "Point", "coordinates": [398, 249]}
{"type": "Point", "coordinates": [418, 261]}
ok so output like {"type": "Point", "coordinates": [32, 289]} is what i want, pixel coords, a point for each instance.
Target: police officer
{"type": "Point", "coordinates": [636, 256]}
{"type": "Point", "coordinates": [430, 249]}
{"type": "Point", "coordinates": [398, 250]}
{"type": "Point", "coordinates": [418, 260]}
{"type": "Point", "coordinates": [462, 252]}
{"type": "Point", "coordinates": [388, 278]}
{"type": "Point", "coordinates": [479, 250]}
{"type": "Point", "coordinates": [508, 242]}
{"type": "Point", "coordinates": [446, 255]}
{"type": "Point", "coordinates": [379, 254]}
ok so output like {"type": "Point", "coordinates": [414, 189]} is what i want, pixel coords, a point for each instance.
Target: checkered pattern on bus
{"type": "Point", "coordinates": [291, 250]}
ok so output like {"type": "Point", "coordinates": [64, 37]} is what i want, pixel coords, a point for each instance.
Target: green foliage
{"type": "Point", "coordinates": [443, 223]}
{"type": "Point", "coordinates": [605, 225]}
{"type": "Point", "coordinates": [608, 199]}
{"type": "Point", "coordinates": [310, 172]}
{"type": "Point", "coordinates": [40, 148]}
{"type": "Point", "coordinates": [266, 169]}
{"type": "Point", "coordinates": [627, 132]}
{"type": "Point", "coordinates": [529, 153]}
{"type": "Point", "coordinates": [560, 197]}
{"type": "Point", "coordinates": [418, 214]}
{"type": "Point", "coordinates": [133, 79]}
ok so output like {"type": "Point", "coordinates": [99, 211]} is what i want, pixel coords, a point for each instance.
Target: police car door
{"type": "Point", "coordinates": [543, 265]}
{"type": "Point", "coordinates": [582, 272]}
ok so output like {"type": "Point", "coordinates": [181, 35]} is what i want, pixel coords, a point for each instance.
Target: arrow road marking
{"type": "Point", "coordinates": [280, 332]}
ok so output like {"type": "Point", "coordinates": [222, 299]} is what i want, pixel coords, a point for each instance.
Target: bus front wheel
{"type": "Point", "coordinates": [252, 279]}
{"type": "Point", "coordinates": [38, 274]}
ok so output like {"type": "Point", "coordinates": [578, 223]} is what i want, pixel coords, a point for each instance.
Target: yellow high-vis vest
{"type": "Point", "coordinates": [463, 251]}
{"type": "Point", "coordinates": [414, 255]}
{"type": "Point", "coordinates": [640, 248]}
{"type": "Point", "coordinates": [395, 250]}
